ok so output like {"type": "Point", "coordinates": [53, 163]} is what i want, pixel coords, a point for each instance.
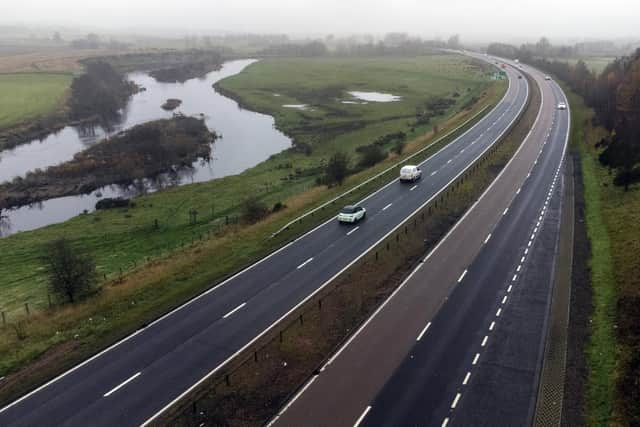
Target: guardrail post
{"type": "Point", "coordinates": [26, 307]}
{"type": "Point", "coordinates": [301, 320]}
{"type": "Point", "coordinates": [320, 303]}
{"type": "Point", "coordinates": [255, 356]}
{"type": "Point", "coordinates": [376, 255]}
{"type": "Point", "coordinates": [281, 338]}
{"type": "Point", "coordinates": [227, 380]}
{"type": "Point", "coordinates": [49, 299]}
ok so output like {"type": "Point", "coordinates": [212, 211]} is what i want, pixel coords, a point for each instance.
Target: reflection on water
{"type": "Point", "coordinates": [248, 138]}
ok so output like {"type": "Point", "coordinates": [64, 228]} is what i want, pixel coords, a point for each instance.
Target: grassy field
{"type": "Point", "coordinates": [31, 95]}
{"type": "Point", "coordinates": [613, 226]}
{"type": "Point", "coordinates": [126, 238]}
{"type": "Point", "coordinates": [594, 63]}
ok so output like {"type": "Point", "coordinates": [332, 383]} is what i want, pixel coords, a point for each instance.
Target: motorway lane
{"type": "Point", "coordinates": [431, 386]}
{"type": "Point", "coordinates": [424, 367]}
{"type": "Point", "coordinates": [133, 380]}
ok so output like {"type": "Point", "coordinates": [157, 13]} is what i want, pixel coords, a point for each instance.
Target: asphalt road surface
{"type": "Point", "coordinates": [134, 380]}
{"type": "Point", "coordinates": [460, 341]}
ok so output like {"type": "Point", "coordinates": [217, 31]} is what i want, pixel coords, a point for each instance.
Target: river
{"type": "Point", "coordinates": [248, 138]}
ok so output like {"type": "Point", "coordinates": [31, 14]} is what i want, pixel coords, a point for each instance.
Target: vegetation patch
{"type": "Point", "coordinates": [143, 151]}
{"type": "Point", "coordinates": [171, 104]}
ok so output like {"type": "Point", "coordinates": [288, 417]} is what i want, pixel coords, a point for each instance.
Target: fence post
{"type": "Point", "coordinates": [49, 299]}
{"type": "Point", "coordinates": [280, 336]}
{"type": "Point", "coordinates": [26, 307]}
{"type": "Point", "coordinates": [4, 319]}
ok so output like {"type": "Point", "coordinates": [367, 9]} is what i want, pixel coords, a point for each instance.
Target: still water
{"type": "Point", "coordinates": [248, 138]}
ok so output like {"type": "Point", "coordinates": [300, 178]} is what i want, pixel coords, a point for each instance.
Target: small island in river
{"type": "Point", "coordinates": [171, 104]}
{"type": "Point", "coordinates": [144, 151]}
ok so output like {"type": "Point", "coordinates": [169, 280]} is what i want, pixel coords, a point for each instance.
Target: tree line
{"type": "Point", "coordinates": [614, 95]}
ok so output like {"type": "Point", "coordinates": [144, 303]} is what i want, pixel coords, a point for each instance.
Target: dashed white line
{"type": "Point", "coordinates": [353, 231]}
{"type": "Point", "coordinates": [304, 263]}
{"type": "Point", "coordinates": [504, 299]}
{"type": "Point", "coordinates": [518, 191]}
{"type": "Point", "coordinates": [449, 161]}
{"type": "Point", "coordinates": [234, 310]}
{"type": "Point", "coordinates": [434, 172]}
{"type": "Point", "coordinates": [498, 312]}
{"type": "Point", "coordinates": [464, 273]}
{"type": "Point", "coordinates": [515, 276]}
{"type": "Point", "coordinates": [487, 239]}
{"type": "Point", "coordinates": [505, 211]}
{"type": "Point", "coordinates": [519, 268]}
{"type": "Point", "coordinates": [509, 288]}
{"type": "Point", "coordinates": [423, 331]}
{"type": "Point", "coordinates": [445, 422]}
{"type": "Point", "coordinates": [522, 260]}
{"type": "Point", "coordinates": [466, 378]}
{"type": "Point", "coordinates": [455, 401]}
{"type": "Point", "coordinates": [475, 359]}
{"type": "Point", "coordinates": [484, 341]}
{"type": "Point", "coordinates": [387, 207]}
{"type": "Point", "coordinates": [122, 384]}
{"type": "Point", "coordinates": [413, 188]}
{"type": "Point", "coordinates": [364, 414]}
{"type": "Point", "coordinates": [492, 325]}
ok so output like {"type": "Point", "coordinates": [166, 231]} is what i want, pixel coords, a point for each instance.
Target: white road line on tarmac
{"type": "Point", "coordinates": [234, 310]}
{"type": "Point", "coordinates": [304, 263]}
{"type": "Point", "coordinates": [353, 231]}
{"type": "Point", "coordinates": [122, 384]}
{"type": "Point", "coordinates": [387, 207]}
{"type": "Point", "coordinates": [464, 273]}
{"type": "Point", "coordinates": [423, 331]}
{"type": "Point", "coordinates": [364, 414]}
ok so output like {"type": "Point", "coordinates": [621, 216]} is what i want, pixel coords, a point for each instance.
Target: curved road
{"type": "Point", "coordinates": [459, 342]}
{"type": "Point", "coordinates": [136, 379]}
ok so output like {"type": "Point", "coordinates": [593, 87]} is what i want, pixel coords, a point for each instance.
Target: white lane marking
{"type": "Point", "coordinates": [492, 325]}
{"type": "Point", "coordinates": [434, 172]}
{"type": "Point", "coordinates": [498, 312]}
{"type": "Point", "coordinates": [445, 422]}
{"type": "Point", "coordinates": [535, 230]}
{"type": "Point", "coordinates": [288, 405]}
{"type": "Point", "coordinates": [518, 191]}
{"type": "Point", "coordinates": [455, 401]}
{"type": "Point", "coordinates": [449, 161]}
{"type": "Point", "coordinates": [364, 414]}
{"type": "Point", "coordinates": [522, 259]}
{"type": "Point", "coordinates": [526, 251]}
{"type": "Point", "coordinates": [423, 331]}
{"type": "Point", "coordinates": [487, 239]}
{"type": "Point", "coordinates": [122, 384]}
{"type": "Point", "coordinates": [464, 273]}
{"type": "Point", "coordinates": [387, 207]}
{"type": "Point", "coordinates": [475, 359]}
{"type": "Point", "coordinates": [515, 276]}
{"type": "Point", "coordinates": [518, 268]}
{"type": "Point", "coordinates": [462, 151]}
{"type": "Point", "coordinates": [484, 341]}
{"type": "Point", "coordinates": [304, 263]}
{"type": "Point", "coordinates": [413, 188]}
{"type": "Point", "coordinates": [532, 236]}
{"type": "Point", "coordinates": [466, 378]}
{"type": "Point", "coordinates": [353, 231]}
{"type": "Point", "coordinates": [509, 288]}
{"type": "Point", "coordinates": [529, 244]}
{"type": "Point", "coordinates": [234, 310]}
{"type": "Point", "coordinates": [504, 299]}
{"type": "Point", "coordinates": [505, 211]}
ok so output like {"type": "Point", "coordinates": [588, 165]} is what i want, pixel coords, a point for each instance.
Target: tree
{"type": "Point", "coordinates": [57, 38]}
{"type": "Point", "coordinates": [454, 42]}
{"type": "Point", "coordinates": [337, 168]}
{"type": "Point", "coordinates": [71, 275]}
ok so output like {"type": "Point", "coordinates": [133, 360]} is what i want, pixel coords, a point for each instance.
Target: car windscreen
{"type": "Point", "coordinates": [349, 210]}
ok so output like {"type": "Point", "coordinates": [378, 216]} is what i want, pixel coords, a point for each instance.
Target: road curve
{"type": "Point", "coordinates": [136, 379]}
{"type": "Point", "coordinates": [459, 341]}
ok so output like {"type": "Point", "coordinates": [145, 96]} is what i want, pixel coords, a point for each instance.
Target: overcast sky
{"type": "Point", "coordinates": [473, 19]}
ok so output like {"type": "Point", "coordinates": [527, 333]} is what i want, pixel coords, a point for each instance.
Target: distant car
{"type": "Point", "coordinates": [352, 214]}
{"type": "Point", "coordinates": [410, 173]}
{"type": "Point", "coordinates": [562, 106]}
{"type": "Point", "coordinates": [547, 78]}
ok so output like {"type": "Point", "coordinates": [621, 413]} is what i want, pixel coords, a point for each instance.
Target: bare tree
{"type": "Point", "coordinates": [71, 275]}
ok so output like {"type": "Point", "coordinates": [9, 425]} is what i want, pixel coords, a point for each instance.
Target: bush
{"type": "Point", "coordinates": [371, 155]}
{"type": "Point", "coordinates": [71, 276]}
{"type": "Point", "coordinates": [399, 147]}
{"type": "Point", "coordinates": [337, 168]}
{"type": "Point", "coordinates": [253, 210]}
{"type": "Point", "coordinates": [278, 206]}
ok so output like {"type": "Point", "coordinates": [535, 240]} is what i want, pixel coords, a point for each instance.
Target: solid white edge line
{"type": "Point", "coordinates": [234, 310]}
{"type": "Point", "coordinates": [423, 331]}
{"type": "Point", "coordinates": [292, 401]}
{"type": "Point", "coordinates": [487, 239]}
{"type": "Point", "coordinates": [122, 384]}
{"type": "Point", "coordinates": [364, 414]}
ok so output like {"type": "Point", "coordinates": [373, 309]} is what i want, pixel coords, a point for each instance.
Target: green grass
{"type": "Point", "coordinates": [31, 95]}
{"type": "Point", "coordinates": [595, 63]}
{"type": "Point", "coordinates": [124, 238]}
{"type": "Point", "coordinates": [602, 347]}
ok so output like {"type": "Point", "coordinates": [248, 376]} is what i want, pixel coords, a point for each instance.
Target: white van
{"type": "Point", "coordinates": [410, 173]}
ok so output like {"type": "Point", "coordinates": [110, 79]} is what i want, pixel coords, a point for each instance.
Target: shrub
{"type": "Point", "coordinates": [337, 168]}
{"type": "Point", "coordinates": [253, 210]}
{"type": "Point", "coordinates": [371, 155]}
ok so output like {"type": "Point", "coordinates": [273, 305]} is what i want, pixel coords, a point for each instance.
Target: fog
{"type": "Point", "coordinates": [481, 20]}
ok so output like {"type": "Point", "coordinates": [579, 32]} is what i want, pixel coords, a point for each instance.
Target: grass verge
{"type": "Point", "coordinates": [613, 228]}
